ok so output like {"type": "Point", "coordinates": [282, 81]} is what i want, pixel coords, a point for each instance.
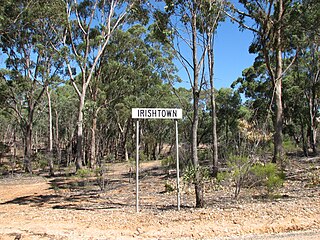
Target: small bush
{"type": "Point", "coordinates": [169, 187]}
{"type": "Point", "coordinates": [239, 171]}
{"type": "Point", "coordinates": [168, 162]}
{"type": "Point", "coordinates": [190, 171]}
{"type": "Point", "coordinates": [84, 174]}
{"type": "Point", "coordinates": [268, 176]}
{"type": "Point", "coordinates": [289, 146]}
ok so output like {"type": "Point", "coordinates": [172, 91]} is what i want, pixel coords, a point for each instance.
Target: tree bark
{"type": "Point", "coordinates": [28, 148]}
{"type": "Point", "coordinates": [50, 136]}
{"type": "Point", "coordinates": [214, 145]}
{"type": "Point", "coordinates": [313, 120]}
{"type": "Point", "coordinates": [278, 122]}
{"type": "Point", "coordinates": [93, 157]}
{"type": "Point", "coordinates": [57, 139]}
{"type": "Point", "coordinates": [196, 95]}
{"type": "Point", "coordinates": [79, 153]}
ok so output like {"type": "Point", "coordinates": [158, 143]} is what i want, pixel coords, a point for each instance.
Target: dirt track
{"type": "Point", "coordinates": [39, 208]}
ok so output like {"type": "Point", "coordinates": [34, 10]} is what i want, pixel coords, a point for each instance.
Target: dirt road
{"type": "Point", "coordinates": [304, 235]}
{"type": "Point", "coordinates": [58, 209]}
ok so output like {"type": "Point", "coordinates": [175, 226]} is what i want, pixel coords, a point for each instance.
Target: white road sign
{"type": "Point", "coordinates": [162, 113]}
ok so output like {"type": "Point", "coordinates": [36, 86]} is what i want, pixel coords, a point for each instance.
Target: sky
{"type": "Point", "coordinates": [231, 53]}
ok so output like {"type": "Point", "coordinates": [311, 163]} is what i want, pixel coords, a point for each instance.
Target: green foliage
{"type": "Point", "coordinates": [289, 146]}
{"type": "Point", "coordinates": [168, 162]}
{"type": "Point", "coordinates": [239, 171]}
{"type": "Point", "coordinates": [189, 174]}
{"type": "Point", "coordinates": [268, 175]}
{"type": "Point", "coordinates": [40, 161]}
{"type": "Point", "coordinates": [243, 170]}
{"type": "Point", "coordinates": [169, 187]}
{"type": "Point", "coordinates": [142, 158]}
{"type": "Point", "coordinates": [84, 173]}
{"type": "Point", "coordinates": [221, 176]}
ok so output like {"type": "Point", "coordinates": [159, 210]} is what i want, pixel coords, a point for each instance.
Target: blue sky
{"type": "Point", "coordinates": [231, 53]}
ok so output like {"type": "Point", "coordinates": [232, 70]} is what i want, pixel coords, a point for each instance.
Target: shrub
{"type": "Point", "coordinates": [268, 176]}
{"type": "Point", "coordinates": [168, 162]}
{"type": "Point", "coordinates": [40, 161]}
{"type": "Point", "coordinates": [239, 171]}
{"type": "Point", "coordinates": [84, 174]}
{"type": "Point", "coordinates": [289, 146]}
{"type": "Point", "coordinates": [169, 187]}
{"type": "Point", "coordinates": [190, 171]}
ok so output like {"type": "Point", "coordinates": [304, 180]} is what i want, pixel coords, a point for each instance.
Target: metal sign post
{"type": "Point", "coordinates": [137, 166]}
{"type": "Point", "coordinates": [156, 113]}
{"type": "Point", "coordinates": [177, 160]}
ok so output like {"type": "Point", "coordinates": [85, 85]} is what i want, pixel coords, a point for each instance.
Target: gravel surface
{"type": "Point", "coordinates": [68, 208]}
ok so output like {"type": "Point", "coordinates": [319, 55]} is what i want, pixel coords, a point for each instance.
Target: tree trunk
{"type": "Point", "coordinates": [79, 151]}
{"type": "Point", "coordinates": [304, 142]}
{"type": "Point", "coordinates": [278, 150]}
{"type": "Point", "coordinates": [195, 120]}
{"type": "Point", "coordinates": [93, 157]}
{"type": "Point", "coordinates": [213, 108]}
{"type": "Point", "coordinates": [313, 125]}
{"type": "Point", "coordinates": [50, 136]}
{"type": "Point", "coordinates": [28, 148]}
{"type": "Point", "coordinates": [57, 140]}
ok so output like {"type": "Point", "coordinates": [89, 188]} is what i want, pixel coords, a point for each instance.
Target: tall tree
{"type": "Point", "coordinates": [213, 14]}
{"type": "Point", "coordinates": [182, 26]}
{"type": "Point", "coordinates": [26, 40]}
{"type": "Point", "coordinates": [269, 20]}
{"type": "Point", "coordinates": [89, 27]}
{"type": "Point", "coordinates": [132, 75]}
{"type": "Point", "coordinates": [308, 15]}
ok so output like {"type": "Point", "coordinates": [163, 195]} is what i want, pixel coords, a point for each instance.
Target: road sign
{"type": "Point", "coordinates": [157, 113]}
{"type": "Point", "coordinates": [162, 113]}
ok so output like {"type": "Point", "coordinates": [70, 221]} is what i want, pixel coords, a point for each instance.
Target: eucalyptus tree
{"type": "Point", "coordinates": [228, 110]}
{"type": "Point", "coordinates": [64, 108]}
{"type": "Point", "coordinates": [212, 14]}
{"type": "Point", "coordinates": [308, 64]}
{"type": "Point", "coordinates": [27, 40]}
{"type": "Point", "coordinates": [182, 25]}
{"type": "Point", "coordinates": [89, 26]}
{"type": "Point", "coordinates": [135, 69]}
{"type": "Point", "coordinates": [269, 21]}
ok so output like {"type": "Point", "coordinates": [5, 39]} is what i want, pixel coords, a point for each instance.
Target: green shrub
{"type": "Point", "coordinates": [189, 174]}
{"type": "Point", "coordinates": [289, 146]}
{"type": "Point", "coordinates": [40, 161]}
{"type": "Point", "coordinates": [190, 171]}
{"type": "Point", "coordinates": [239, 167]}
{"type": "Point", "coordinates": [268, 176]}
{"type": "Point", "coordinates": [221, 176]}
{"type": "Point", "coordinates": [169, 187]}
{"type": "Point", "coordinates": [168, 162]}
{"type": "Point", "coordinates": [84, 173]}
